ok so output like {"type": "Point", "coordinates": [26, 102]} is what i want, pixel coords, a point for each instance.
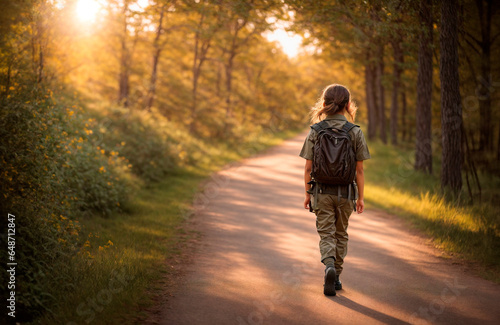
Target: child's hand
{"type": "Point", "coordinates": [360, 206]}
{"type": "Point", "coordinates": [307, 201]}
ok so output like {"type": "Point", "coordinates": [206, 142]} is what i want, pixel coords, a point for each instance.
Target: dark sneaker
{"type": "Point", "coordinates": [330, 279]}
{"type": "Point", "coordinates": [338, 284]}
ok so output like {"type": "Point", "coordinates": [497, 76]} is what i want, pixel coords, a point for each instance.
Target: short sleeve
{"type": "Point", "coordinates": [307, 148]}
{"type": "Point", "coordinates": [362, 152]}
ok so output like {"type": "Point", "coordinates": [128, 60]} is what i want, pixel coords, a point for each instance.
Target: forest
{"type": "Point", "coordinates": [103, 99]}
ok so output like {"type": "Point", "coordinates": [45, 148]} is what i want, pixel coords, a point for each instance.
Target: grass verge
{"type": "Point", "coordinates": [129, 249]}
{"type": "Point", "coordinates": [468, 231]}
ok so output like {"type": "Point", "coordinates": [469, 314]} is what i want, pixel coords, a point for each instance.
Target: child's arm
{"type": "Point", "coordinates": [307, 179]}
{"type": "Point", "coordinates": [360, 180]}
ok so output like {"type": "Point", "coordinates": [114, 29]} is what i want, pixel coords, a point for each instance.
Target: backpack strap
{"type": "Point", "coordinates": [319, 126]}
{"type": "Point", "coordinates": [348, 126]}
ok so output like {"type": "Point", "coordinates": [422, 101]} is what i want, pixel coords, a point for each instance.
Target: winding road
{"type": "Point", "coordinates": [258, 261]}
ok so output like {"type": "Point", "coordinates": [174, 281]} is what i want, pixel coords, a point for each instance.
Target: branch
{"type": "Point", "coordinates": [472, 46]}
{"type": "Point", "coordinates": [472, 37]}
{"type": "Point", "coordinates": [355, 25]}
{"type": "Point", "coordinates": [493, 39]}
{"type": "Point", "coordinates": [469, 63]}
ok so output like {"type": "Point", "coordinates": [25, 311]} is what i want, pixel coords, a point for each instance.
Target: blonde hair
{"type": "Point", "coordinates": [334, 99]}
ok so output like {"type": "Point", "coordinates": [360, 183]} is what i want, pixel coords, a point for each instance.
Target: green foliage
{"type": "Point", "coordinates": [143, 138]}
{"type": "Point", "coordinates": [50, 174]}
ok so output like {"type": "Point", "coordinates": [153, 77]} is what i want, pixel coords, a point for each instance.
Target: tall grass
{"type": "Point", "coordinates": [469, 230]}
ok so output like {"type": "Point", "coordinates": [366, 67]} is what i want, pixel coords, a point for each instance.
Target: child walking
{"type": "Point", "coordinates": [334, 178]}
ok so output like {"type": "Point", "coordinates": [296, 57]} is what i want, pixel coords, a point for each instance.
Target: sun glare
{"type": "Point", "coordinates": [290, 42]}
{"type": "Point", "coordinates": [87, 9]}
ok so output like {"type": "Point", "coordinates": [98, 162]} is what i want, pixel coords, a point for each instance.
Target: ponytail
{"type": "Point", "coordinates": [334, 99]}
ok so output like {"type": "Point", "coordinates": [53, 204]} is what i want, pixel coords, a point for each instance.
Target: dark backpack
{"type": "Point", "coordinates": [334, 160]}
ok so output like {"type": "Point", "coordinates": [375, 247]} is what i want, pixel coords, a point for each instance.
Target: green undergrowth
{"type": "Point", "coordinates": [465, 229]}
{"type": "Point", "coordinates": [128, 250]}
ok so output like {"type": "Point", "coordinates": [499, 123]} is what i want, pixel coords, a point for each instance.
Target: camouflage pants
{"type": "Point", "coordinates": [332, 218]}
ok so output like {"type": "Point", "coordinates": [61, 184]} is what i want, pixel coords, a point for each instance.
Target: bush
{"type": "Point", "coordinates": [51, 173]}
{"type": "Point", "coordinates": [143, 138]}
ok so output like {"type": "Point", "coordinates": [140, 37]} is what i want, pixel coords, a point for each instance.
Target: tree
{"type": "Point", "coordinates": [485, 9]}
{"type": "Point", "coordinates": [244, 20]}
{"type": "Point", "coordinates": [125, 59]}
{"type": "Point", "coordinates": [451, 109]}
{"type": "Point", "coordinates": [207, 23]}
{"type": "Point", "coordinates": [423, 148]}
{"type": "Point", "coordinates": [380, 91]}
{"type": "Point", "coordinates": [396, 82]}
{"type": "Point", "coordinates": [482, 47]}
{"type": "Point", "coordinates": [157, 48]}
{"type": "Point", "coordinates": [406, 133]}
{"type": "Point", "coordinates": [398, 29]}
{"type": "Point", "coordinates": [357, 25]}
{"type": "Point", "coordinates": [378, 38]}
{"type": "Point", "coordinates": [371, 98]}
{"type": "Point", "coordinates": [130, 25]}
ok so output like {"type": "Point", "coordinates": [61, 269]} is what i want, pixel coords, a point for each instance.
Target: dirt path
{"type": "Point", "coordinates": [258, 261]}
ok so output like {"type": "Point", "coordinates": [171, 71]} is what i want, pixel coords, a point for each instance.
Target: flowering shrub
{"type": "Point", "coordinates": [51, 174]}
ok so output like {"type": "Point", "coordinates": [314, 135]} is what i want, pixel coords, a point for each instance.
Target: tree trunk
{"type": "Point", "coordinates": [380, 93]}
{"type": "Point", "coordinates": [194, 93]}
{"type": "Point", "coordinates": [196, 74]}
{"type": "Point", "coordinates": [398, 63]}
{"type": "Point", "coordinates": [40, 62]}
{"type": "Point", "coordinates": [451, 109]}
{"type": "Point", "coordinates": [156, 59]}
{"type": "Point", "coordinates": [37, 44]}
{"type": "Point", "coordinates": [486, 134]}
{"type": "Point", "coordinates": [9, 76]}
{"type": "Point", "coordinates": [201, 46]}
{"type": "Point", "coordinates": [229, 87]}
{"type": "Point", "coordinates": [370, 100]}
{"type": "Point", "coordinates": [239, 24]}
{"type": "Point", "coordinates": [218, 81]}
{"type": "Point", "coordinates": [423, 145]}
{"type": "Point", "coordinates": [405, 125]}
{"type": "Point", "coordinates": [153, 78]}
{"type": "Point", "coordinates": [123, 81]}
{"type": "Point", "coordinates": [498, 145]}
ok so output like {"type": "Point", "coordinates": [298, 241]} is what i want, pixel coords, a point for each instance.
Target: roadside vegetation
{"type": "Point", "coordinates": [466, 229]}
{"type": "Point", "coordinates": [127, 251]}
